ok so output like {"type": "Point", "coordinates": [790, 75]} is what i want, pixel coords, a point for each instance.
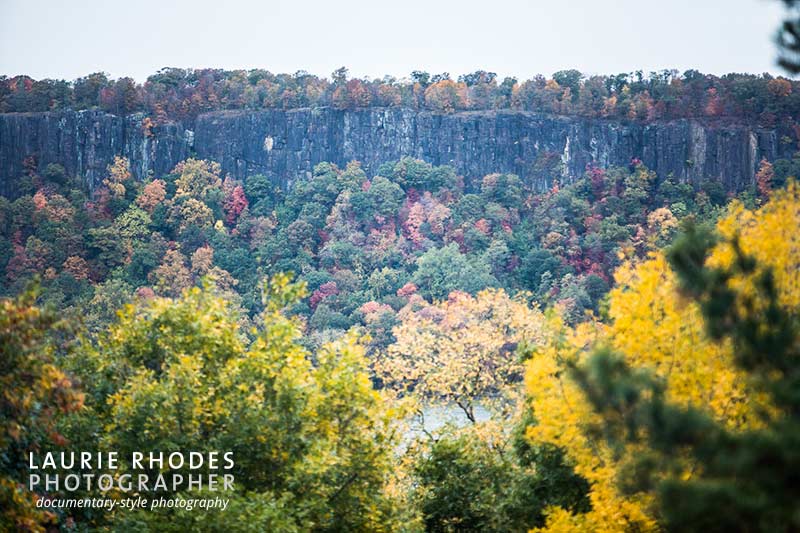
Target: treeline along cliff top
{"type": "Point", "coordinates": [693, 126]}
{"type": "Point", "coordinates": [174, 94]}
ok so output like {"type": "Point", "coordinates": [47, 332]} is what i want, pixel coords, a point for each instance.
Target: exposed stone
{"type": "Point", "coordinates": [285, 145]}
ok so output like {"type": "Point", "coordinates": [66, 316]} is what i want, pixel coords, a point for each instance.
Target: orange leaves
{"type": "Point", "coordinates": [764, 178]}
{"type": "Point", "coordinates": [779, 87]}
{"type": "Point", "coordinates": [202, 260]}
{"type": "Point", "coordinates": [172, 276]}
{"type": "Point", "coordinates": [147, 127]}
{"type": "Point", "coordinates": [714, 104]}
{"type": "Point", "coordinates": [484, 226]}
{"type": "Point", "coordinates": [447, 96]}
{"type": "Point", "coordinates": [425, 209]}
{"type": "Point", "coordinates": [77, 267]}
{"type": "Point", "coordinates": [152, 194]}
{"type": "Point", "coordinates": [39, 200]}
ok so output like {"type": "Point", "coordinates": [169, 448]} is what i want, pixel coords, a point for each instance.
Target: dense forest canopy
{"type": "Point", "coordinates": [174, 94]}
{"type": "Point", "coordinates": [368, 247]}
{"type": "Point", "coordinates": [634, 339]}
{"type": "Point", "coordinates": [162, 313]}
{"type": "Point", "coordinates": [327, 318]}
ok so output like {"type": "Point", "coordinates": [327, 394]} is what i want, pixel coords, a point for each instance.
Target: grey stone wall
{"type": "Point", "coordinates": [285, 145]}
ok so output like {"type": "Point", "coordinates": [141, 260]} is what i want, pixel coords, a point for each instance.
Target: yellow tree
{"type": "Point", "coordinates": [197, 177]}
{"type": "Point", "coordinates": [172, 276]}
{"type": "Point", "coordinates": [461, 350]}
{"type": "Point", "coordinates": [654, 328]}
{"type": "Point", "coordinates": [118, 173]}
{"type": "Point", "coordinates": [562, 416]}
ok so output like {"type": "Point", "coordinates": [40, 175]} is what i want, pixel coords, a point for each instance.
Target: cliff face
{"type": "Point", "coordinates": [285, 145]}
{"type": "Point", "coordinates": [85, 143]}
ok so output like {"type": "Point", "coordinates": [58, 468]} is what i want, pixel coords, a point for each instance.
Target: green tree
{"type": "Point", "coordinates": [466, 482]}
{"type": "Point", "coordinates": [385, 196]}
{"type": "Point", "coordinates": [314, 441]}
{"type": "Point", "coordinates": [442, 270]}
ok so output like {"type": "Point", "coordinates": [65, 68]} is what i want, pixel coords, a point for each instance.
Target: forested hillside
{"type": "Point", "coordinates": [234, 301]}
{"type": "Point", "coordinates": [364, 244]}
{"type": "Point", "coordinates": [147, 315]}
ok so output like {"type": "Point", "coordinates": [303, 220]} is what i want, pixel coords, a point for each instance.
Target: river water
{"type": "Point", "coordinates": [435, 416]}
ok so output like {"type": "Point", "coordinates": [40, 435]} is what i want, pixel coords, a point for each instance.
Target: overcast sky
{"type": "Point", "coordinates": [69, 39]}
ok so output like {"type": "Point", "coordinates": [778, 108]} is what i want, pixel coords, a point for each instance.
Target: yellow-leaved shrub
{"type": "Point", "coordinates": [654, 328]}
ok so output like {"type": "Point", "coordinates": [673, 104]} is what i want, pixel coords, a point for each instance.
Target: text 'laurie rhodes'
{"type": "Point", "coordinates": [142, 471]}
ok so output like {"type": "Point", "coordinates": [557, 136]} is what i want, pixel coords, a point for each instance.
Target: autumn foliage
{"type": "Point", "coordinates": [35, 394]}
{"type": "Point", "coordinates": [652, 326]}
{"type": "Point", "coordinates": [516, 311]}
{"type": "Point", "coordinates": [174, 94]}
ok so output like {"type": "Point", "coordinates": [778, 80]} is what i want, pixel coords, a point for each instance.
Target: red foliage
{"type": "Point", "coordinates": [372, 310]}
{"type": "Point", "coordinates": [357, 94]}
{"type": "Point", "coordinates": [597, 178]}
{"type": "Point", "coordinates": [407, 290]}
{"type": "Point", "coordinates": [39, 200]}
{"type": "Point", "coordinates": [98, 208]}
{"type": "Point", "coordinates": [325, 290]}
{"type": "Point", "coordinates": [29, 164]}
{"type": "Point", "coordinates": [484, 226]}
{"type": "Point", "coordinates": [18, 263]}
{"type": "Point", "coordinates": [152, 194]}
{"type": "Point", "coordinates": [592, 222]}
{"type": "Point", "coordinates": [413, 223]}
{"type": "Point", "coordinates": [234, 203]}
{"type": "Point", "coordinates": [458, 237]}
{"type": "Point", "coordinates": [714, 105]}
{"type": "Point", "coordinates": [764, 178]}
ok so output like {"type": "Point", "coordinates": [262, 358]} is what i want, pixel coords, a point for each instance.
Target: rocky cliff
{"type": "Point", "coordinates": [285, 145]}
